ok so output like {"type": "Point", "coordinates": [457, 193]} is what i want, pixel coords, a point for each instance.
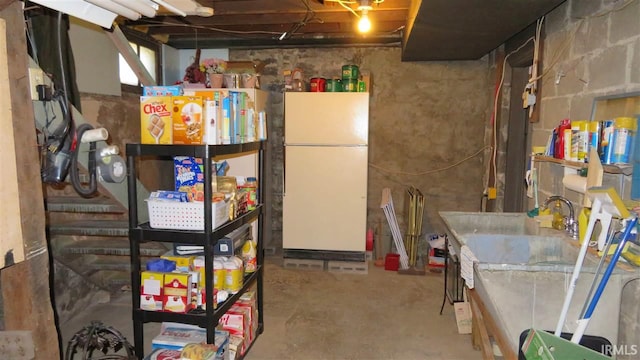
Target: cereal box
{"type": "Point", "coordinates": [151, 284]}
{"type": "Point", "coordinates": [156, 120]}
{"type": "Point", "coordinates": [170, 90]}
{"type": "Point", "coordinates": [205, 94]}
{"type": "Point", "coordinates": [177, 292]}
{"type": "Point", "coordinates": [189, 176]}
{"type": "Point", "coordinates": [187, 120]}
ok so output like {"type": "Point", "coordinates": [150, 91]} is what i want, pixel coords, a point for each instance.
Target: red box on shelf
{"type": "Point", "coordinates": [392, 262]}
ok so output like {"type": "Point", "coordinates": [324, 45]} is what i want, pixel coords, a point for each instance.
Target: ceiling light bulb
{"type": "Point", "coordinates": [364, 24]}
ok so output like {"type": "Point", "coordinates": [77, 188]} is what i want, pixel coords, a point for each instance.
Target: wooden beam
{"type": "Point", "coordinates": [478, 307]}
{"type": "Point", "coordinates": [25, 286]}
{"type": "Point", "coordinates": [122, 44]}
{"type": "Point", "coordinates": [5, 3]}
{"type": "Point", "coordinates": [11, 243]}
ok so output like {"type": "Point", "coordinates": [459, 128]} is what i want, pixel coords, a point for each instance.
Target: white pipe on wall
{"type": "Point", "coordinates": [116, 8]}
{"type": "Point", "coordinates": [138, 6]}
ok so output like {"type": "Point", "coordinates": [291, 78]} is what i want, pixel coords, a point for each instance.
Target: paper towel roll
{"type": "Point", "coordinates": [575, 182]}
{"type": "Point", "coordinates": [98, 134]}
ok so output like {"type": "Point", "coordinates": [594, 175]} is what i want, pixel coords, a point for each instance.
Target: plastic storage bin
{"type": "Point", "coordinates": [185, 215]}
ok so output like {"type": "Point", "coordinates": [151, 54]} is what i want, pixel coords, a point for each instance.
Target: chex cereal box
{"type": "Point", "coordinates": [177, 292]}
{"type": "Point", "coordinates": [187, 120]}
{"type": "Point", "coordinates": [189, 176]}
{"type": "Point", "coordinates": [156, 126]}
{"type": "Point", "coordinates": [151, 284]}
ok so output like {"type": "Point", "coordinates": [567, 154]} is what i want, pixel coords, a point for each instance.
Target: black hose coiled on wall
{"type": "Point", "coordinates": [75, 175]}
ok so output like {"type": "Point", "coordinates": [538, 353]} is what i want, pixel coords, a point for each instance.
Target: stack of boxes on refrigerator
{"type": "Point", "coordinates": [173, 115]}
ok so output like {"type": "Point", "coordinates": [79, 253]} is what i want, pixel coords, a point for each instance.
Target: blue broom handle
{"type": "Point", "coordinates": [612, 265]}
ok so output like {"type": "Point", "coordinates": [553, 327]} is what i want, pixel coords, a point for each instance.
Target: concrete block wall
{"type": "Point", "coordinates": [591, 49]}
{"type": "Point", "coordinates": [424, 118]}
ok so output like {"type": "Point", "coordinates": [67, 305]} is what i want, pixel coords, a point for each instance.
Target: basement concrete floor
{"type": "Point", "coordinates": [321, 315]}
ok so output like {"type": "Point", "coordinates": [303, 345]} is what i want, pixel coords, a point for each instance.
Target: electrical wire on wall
{"type": "Point", "coordinates": [494, 117]}
{"type": "Point", "coordinates": [426, 172]}
{"type": "Point", "coordinates": [309, 16]}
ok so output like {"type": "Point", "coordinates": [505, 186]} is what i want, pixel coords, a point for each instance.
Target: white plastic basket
{"type": "Point", "coordinates": [185, 215]}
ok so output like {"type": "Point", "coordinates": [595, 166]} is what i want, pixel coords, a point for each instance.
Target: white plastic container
{"type": "Point", "coordinates": [219, 274]}
{"type": "Point", "coordinates": [234, 274]}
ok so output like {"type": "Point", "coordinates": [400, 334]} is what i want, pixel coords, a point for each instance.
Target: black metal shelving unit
{"type": "Point", "coordinates": [208, 237]}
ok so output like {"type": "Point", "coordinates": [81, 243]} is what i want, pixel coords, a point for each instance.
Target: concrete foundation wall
{"type": "Point", "coordinates": [427, 121]}
{"type": "Point", "coordinates": [592, 48]}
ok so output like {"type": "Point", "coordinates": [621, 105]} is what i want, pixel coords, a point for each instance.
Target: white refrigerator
{"type": "Point", "coordinates": [325, 175]}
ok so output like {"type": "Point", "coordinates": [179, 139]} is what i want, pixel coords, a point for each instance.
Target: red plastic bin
{"type": "Point", "coordinates": [392, 262]}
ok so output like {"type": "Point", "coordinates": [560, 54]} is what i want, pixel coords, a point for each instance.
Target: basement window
{"type": "Point", "coordinates": [149, 53]}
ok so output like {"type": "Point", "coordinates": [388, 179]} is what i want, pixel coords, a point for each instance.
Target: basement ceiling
{"type": "Point", "coordinates": [426, 30]}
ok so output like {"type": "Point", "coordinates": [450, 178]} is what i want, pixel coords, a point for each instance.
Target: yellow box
{"type": "Point", "coordinates": [151, 290]}
{"type": "Point", "coordinates": [204, 94]}
{"type": "Point", "coordinates": [177, 293]}
{"type": "Point", "coordinates": [183, 263]}
{"type": "Point", "coordinates": [156, 126]}
{"type": "Point", "coordinates": [187, 120]}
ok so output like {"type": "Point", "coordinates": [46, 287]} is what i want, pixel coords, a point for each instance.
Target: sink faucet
{"type": "Point", "coordinates": [570, 225]}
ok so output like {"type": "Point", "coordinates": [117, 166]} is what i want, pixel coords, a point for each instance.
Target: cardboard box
{"type": "Point", "coordinates": [205, 94]}
{"type": "Point", "coordinates": [212, 116]}
{"type": "Point", "coordinates": [177, 292]}
{"type": "Point", "coordinates": [156, 120]}
{"type": "Point", "coordinates": [189, 176]}
{"type": "Point", "coordinates": [187, 120]}
{"type": "Point", "coordinates": [151, 290]}
{"type": "Point", "coordinates": [235, 347]}
{"type": "Point", "coordinates": [168, 90]}
{"type": "Point", "coordinates": [183, 263]}
{"type": "Point", "coordinates": [237, 322]}
{"type": "Point", "coordinates": [174, 336]}
{"type": "Point", "coordinates": [252, 313]}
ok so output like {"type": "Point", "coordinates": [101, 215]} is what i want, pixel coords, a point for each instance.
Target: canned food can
{"type": "Point", "coordinates": [607, 142]}
{"type": "Point", "coordinates": [362, 87]}
{"type": "Point", "coordinates": [317, 84]}
{"type": "Point", "coordinates": [350, 85]}
{"type": "Point", "coordinates": [334, 85]}
{"type": "Point", "coordinates": [350, 72]}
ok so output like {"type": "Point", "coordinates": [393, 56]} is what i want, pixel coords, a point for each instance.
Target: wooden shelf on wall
{"type": "Point", "coordinates": [608, 168]}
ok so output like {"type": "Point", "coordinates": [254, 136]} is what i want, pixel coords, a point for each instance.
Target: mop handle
{"type": "Point", "coordinates": [584, 322]}
{"type": "Point", "coordinates": [612, 265]}
{"type": "Point", "coordinates": [594, 283]}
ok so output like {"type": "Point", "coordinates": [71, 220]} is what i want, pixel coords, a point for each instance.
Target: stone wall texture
{"type": "Point", "coordinates": [426, 129]}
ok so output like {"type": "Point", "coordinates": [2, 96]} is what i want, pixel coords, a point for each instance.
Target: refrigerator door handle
{"type": "Point", "coordinates": [284, 170]}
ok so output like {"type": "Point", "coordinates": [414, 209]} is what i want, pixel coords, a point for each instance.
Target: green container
{"type": "Point", "coordinates": [350, 85]}
{"type": "Point", "coordinates": [350, 72]}
{"type": "Point", "coordinates": [334, 85]}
